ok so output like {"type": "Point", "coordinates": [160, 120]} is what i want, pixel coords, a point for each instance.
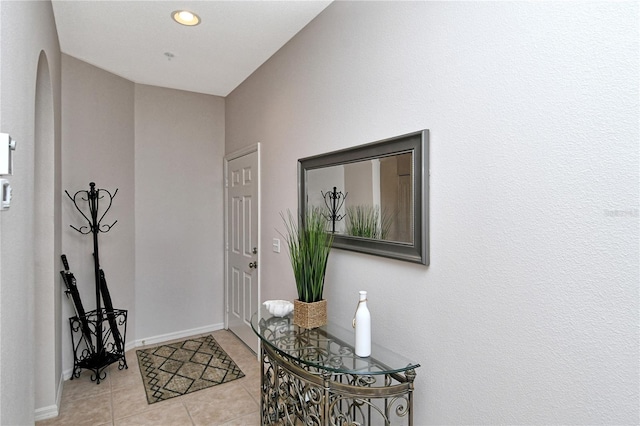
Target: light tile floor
{"type": "Point", "coordinates": [120, 399]}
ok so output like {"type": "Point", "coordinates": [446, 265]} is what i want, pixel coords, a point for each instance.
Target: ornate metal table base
{"type": "Point", "coordinates": [327, 384]}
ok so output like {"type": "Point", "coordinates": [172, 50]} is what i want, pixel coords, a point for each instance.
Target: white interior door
{"type": "Point", "coordinates": [242, 257]}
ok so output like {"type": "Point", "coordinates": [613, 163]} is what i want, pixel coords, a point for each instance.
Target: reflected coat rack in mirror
{"type": "Point", "coordinates": [385, 187]}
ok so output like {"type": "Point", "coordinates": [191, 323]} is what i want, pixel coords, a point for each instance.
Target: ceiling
{"type": "Point", "coordinates": [134, 39]}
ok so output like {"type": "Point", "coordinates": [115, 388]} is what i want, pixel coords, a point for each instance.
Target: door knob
{"type": "Point", "coordinates": [255, 250]}
{"type": "Point", "coordinates": [253, 265]}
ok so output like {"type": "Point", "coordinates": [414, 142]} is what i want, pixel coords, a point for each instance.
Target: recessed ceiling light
{"type": "Point", "coordinates": [185, 17]}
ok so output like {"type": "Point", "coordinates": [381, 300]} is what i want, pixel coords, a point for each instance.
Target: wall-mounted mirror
{"type": "Point", "coordinates": [375, 196]}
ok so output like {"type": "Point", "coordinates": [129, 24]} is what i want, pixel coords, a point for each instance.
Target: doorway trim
{"type": "Point", "coordinates": [227, 158]}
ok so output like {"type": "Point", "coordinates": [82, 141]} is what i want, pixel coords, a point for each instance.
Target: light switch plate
{"type": "Point", "coordinates": [7, 146]}
{"type": "Point", "coordinates": [5, 188]}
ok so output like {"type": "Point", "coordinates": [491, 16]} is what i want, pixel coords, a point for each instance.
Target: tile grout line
{"type": "Point", "coordinates": [113, 417]}
{"type": "Point", "coordinates": [187, 410]}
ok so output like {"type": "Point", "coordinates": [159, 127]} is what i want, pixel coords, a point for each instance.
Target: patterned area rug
{"type": "Point", "coordinates": [179, 368]}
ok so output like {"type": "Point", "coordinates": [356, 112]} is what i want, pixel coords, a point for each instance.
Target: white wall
{"type": "Point", "coordinates": [528, 312]}
{"type": "Point", "coordinates": [179, 211]}
{"type": "Point", "coordinates": [98, 146]}
{"type": "Point", "coordinates": [26, 30]}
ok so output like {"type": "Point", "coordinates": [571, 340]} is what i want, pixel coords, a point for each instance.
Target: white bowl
{"type": "Point", "coordinates": [278, 308]}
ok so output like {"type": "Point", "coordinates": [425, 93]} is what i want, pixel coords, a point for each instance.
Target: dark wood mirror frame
{"type": "Point", "coordinates": [418, 144]}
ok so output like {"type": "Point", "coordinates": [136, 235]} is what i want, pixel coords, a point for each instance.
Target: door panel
{"type": "Point", "coordinates": [248, 298]}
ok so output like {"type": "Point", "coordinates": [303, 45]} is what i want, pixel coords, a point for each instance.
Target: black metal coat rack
{"type": "Point", "coordinates": [108, 345]}
{"type": "Point", "coordinates": [334, 201]}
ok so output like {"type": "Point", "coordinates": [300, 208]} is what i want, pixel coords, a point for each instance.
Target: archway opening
{"type": "Point", "coordinates": [46, 283]}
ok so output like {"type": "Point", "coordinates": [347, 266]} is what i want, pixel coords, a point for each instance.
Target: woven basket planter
{"type": "Point", "coordinates": [309, 315]}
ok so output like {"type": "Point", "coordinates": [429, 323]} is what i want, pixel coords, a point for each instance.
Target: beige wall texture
{"type": "Point", "coordinates": [528, 312]}
{"type": "Point", "coordinates": [30, 321]}
{"type": "Point", "coordinates": [179, 211]}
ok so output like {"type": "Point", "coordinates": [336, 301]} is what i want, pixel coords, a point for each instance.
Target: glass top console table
{"type": "Point", "coordinates": [313, 377]}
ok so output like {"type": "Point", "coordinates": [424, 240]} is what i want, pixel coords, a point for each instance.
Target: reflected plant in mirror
{"type": "Point", "coordinates": [374, 196]}
{"type": "Point", "coordinates": [367, 221]}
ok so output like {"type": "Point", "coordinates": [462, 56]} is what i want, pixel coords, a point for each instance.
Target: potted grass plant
{"type": "Point", "coordinates": [309, 244]}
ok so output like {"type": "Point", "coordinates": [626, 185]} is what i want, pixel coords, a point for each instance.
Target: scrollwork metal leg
{"type": "Point", "coordinates": [297, 394]}
{"type": "Point", "coordinates": [326, 396]}
{"type": "Point", "coordinates": [411, 376]}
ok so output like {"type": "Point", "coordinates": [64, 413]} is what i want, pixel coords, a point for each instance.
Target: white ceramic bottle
{"type": "Point", "coordinates": [362, 324]}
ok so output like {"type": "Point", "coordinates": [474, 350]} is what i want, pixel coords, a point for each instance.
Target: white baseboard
{"type": "Point", "coordinates": [177, 335]}
{"type": "Point", "coordinates": [51, 411]}
{"type": "Point", "coordinates": [66, 374]}
{"type": "Point", "coordinates": [45, 413]}
{"type": "Point", "coordinates": [160, 339]}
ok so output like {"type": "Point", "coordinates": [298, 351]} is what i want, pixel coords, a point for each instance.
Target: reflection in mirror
{"type": "Point", "coordinates": [367, 199]}
{"type": "Point", "coordinates": [375, 196]}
